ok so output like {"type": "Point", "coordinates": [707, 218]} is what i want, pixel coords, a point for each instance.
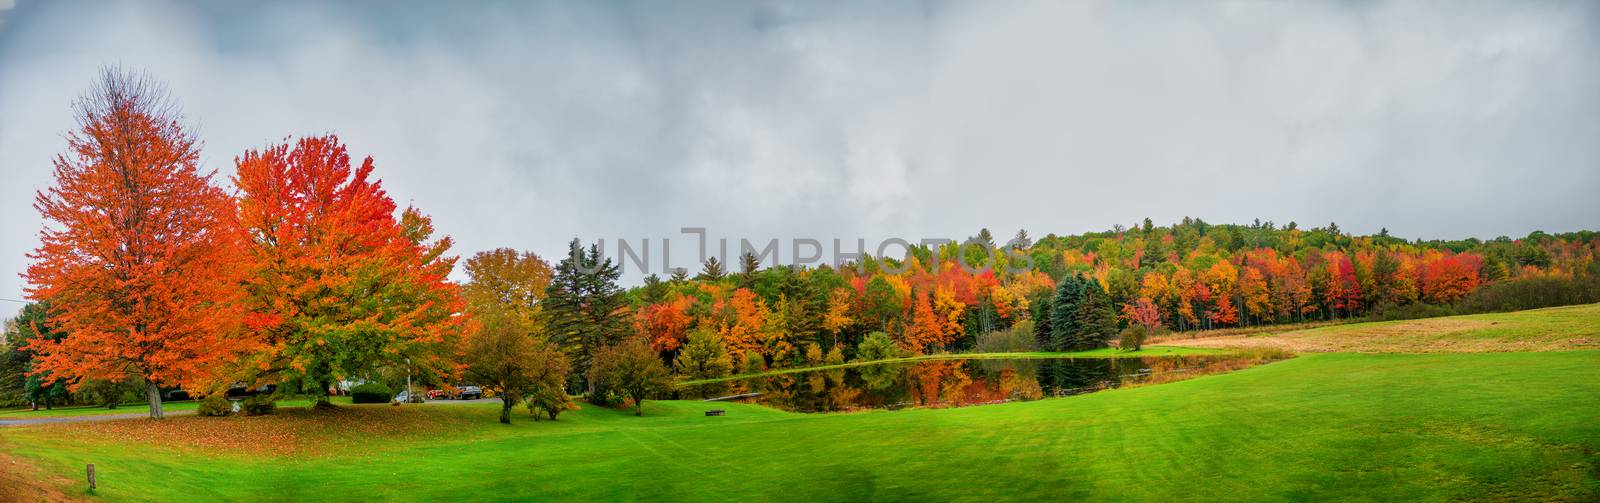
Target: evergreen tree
{"type": "Point", "coordinates": [40, 389]}
{"type": "Point", "coordinates": [1097, 320]}
{"type": "Point", "coordinates": [712, 270]}
{"type": "Point", "coordinates": [985, 236]}
{"type": "Point", "coordinates": [1065, 322]}
{"type": "Point", "coordinates": [1041, 308]}
{"type": "Point", "coordinates": [747, 268]}
{"type": "Point", "coordinates": [1021, 241]}
{"type": "Point", "coordinates": [654, 290]}
{"type": "Point", "coordinates": [584, 306]}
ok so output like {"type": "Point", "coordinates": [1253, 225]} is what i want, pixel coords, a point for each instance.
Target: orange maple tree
{"type": "Point", "coordinates": [337, 284]}
{"type": "Point", "coordinates": [138, 261]}
{"type": "Point", "coordinates": [665, 324]}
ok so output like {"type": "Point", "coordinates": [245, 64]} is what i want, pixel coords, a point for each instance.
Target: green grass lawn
{"type": "Point", "coordinates": [1429, 427]}
{"type": "Point", "coordinates": [1550, 329]}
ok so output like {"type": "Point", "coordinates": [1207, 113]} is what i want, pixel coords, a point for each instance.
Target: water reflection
{"type": "Point", "coordinates": [953, 383]}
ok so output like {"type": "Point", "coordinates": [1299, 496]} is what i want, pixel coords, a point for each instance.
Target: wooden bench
{"type": "Point", "coordinates": [716, 412]}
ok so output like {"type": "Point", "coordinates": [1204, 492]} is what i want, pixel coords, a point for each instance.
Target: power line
{"type": "Point", "coordinates": [15, 300]}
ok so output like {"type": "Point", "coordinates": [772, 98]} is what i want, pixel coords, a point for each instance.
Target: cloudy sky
{"type": "Point", "coordinates": [525, 124]}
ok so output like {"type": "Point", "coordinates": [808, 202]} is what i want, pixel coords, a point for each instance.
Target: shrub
{"type": "Point", "coordinates": [1531, 293]}
{"type": "Point", "coordinates": [371, 393]}
{"type": "Point", "coordinates": [214, 406]}
{"type": "Point", "coordinates": [877, 346]}
{"type": "Point", "coordinates": [1515, 294]}
{"type": "Point", "coordinates": [259, 405]}
{"type": "Point", "coordinates": [549, 400]}
{"type": "Point", "coordinates": [834, 356]}
{"type": "Point", "coordinates": [1017, 339]}
{"type": "Point", "coordinates": [633, 369]}
{"type": "Point", "coordinates": [1132, 338]}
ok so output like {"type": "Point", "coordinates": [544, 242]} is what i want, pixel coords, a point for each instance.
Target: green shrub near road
{"type": "Point", "coordinates": [214, 406]}
{"type": "Point", "coordinates": [371, 393]}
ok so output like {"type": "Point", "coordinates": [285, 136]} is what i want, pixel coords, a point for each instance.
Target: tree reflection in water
{"type": "Point", "coordinates": [962, 382]}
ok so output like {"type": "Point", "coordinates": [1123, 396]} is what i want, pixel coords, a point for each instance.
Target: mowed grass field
{"type": "Point", "coordinates": [1550, 329]}
{"type": "Point", "coordinates": [1324, 426]}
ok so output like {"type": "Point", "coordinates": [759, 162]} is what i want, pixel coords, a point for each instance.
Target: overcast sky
{"type": "Point", "coordinates": [526, 124]}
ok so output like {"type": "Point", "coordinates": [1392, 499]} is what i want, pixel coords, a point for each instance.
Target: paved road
{"type": "Point", "coordinates": [479, 400]}
{"type": "Point", "coordinates": [75, 419]}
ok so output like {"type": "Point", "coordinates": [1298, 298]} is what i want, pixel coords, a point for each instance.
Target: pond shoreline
{"type": "Point", "coordinates": [954, 381]}
{"type": "Point", "coordinates": [1148, 351]}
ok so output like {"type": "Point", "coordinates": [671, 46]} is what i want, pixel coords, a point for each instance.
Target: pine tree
{"type": "Point", "coordinates": [654, 290]}
{"type": "Point", "coordinates": [748, 264]}
{"type": "Point", "coordinates": [1065, 322]}
{"type": "Point", "coordinates": [584, 306]}
{"type": "Point", "coordinates": [1097, 320]}
{"type": "Point", "coordinates": [1042, 309]}
{"type": "Point", "coordinates": [712, 271]}
{"type": "Point", "coordinates": [1021, 241]}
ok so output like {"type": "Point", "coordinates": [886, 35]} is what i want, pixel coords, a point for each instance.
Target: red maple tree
{"type": "Point", "coordinates": [138, 262]}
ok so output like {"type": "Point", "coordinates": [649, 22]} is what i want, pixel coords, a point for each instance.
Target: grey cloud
{"type": "Point", "coordinates": [525, 124]}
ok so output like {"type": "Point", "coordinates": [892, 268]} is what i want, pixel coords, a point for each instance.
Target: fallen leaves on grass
{"type": "Point", "coordinates": [290, 432]}
{"type": "Point", "coordinates": [23, 482]}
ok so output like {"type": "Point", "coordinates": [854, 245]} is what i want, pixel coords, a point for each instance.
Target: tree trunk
{"type": "Point", "coordinates": [638, 406]}
{"type": "Point", "coordinates": [505, 408]}
{"type": "Point", "coordinates": [322, 397]}
{"type": "Point", "coordinates": [152, 392]}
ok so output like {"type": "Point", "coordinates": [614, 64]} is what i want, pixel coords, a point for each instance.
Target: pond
{"type": "Point", "coordinates": [958, 382]}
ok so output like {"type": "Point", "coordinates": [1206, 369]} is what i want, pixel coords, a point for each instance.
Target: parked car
{"type": "Point", "coordinates": [469, 392]}
{"type": "Point", "coordinates": [438, 394]}
{"type": "Point", "coordinates": [239, 390]}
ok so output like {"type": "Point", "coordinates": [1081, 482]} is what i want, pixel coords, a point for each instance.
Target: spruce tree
{"type": "Point", "coordinates": [712, 270]}
{"type": "Point", "coordinates": [1041, 308]}
{"type": "Point", "coordinates": [1064, 320]}
{"type": "Point", "coordinates": [583, 304]}
{"type": "Point", "coordinates": [748, 266]}
{"type": "Point", "coordinates": [1097, 320]}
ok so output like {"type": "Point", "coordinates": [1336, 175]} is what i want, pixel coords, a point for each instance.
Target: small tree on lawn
{"type": "Point", "coordinates": [631, 369]}
{"type": "Point", "coordinates": [550, 398]}
{"type": "Point", "coordinates": [503, 355]}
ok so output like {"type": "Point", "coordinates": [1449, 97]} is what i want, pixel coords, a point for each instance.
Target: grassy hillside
{"type": "Point", "coordinates": [1551, 329]}
{"type": "Point", "coordinates": [1324, 426]}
